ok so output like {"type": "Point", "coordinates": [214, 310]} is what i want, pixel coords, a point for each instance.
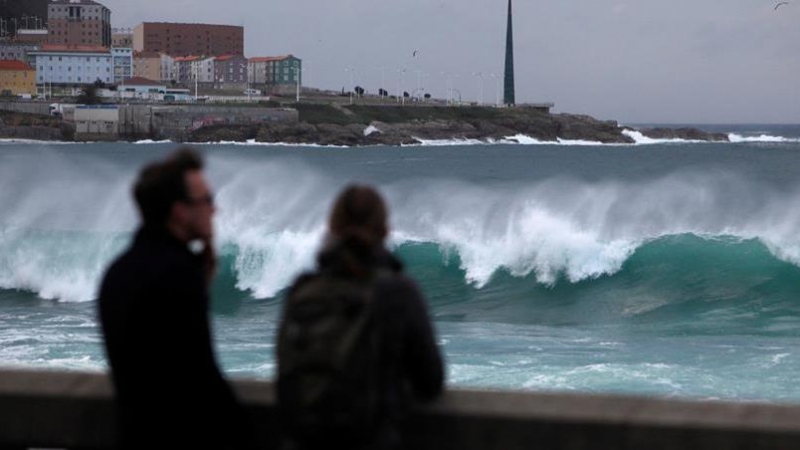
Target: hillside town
{"type": "Point", "coordinates": [67, 74]}
{"type": "Point", "coordinates": [57, 48]}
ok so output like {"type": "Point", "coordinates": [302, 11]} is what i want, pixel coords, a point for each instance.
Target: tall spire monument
{"type": "Point", "coordinates": [508, 88]}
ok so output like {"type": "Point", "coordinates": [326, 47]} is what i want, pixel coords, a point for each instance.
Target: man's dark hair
{"type": "Point", "coordinates": [162, 183]}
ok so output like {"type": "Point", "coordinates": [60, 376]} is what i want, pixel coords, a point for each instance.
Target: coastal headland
{"type": "Point", "coordinates": [328, 124]}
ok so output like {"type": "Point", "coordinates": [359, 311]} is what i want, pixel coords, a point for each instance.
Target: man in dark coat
{"type": "Point", "coordinates": [409, 366]}
{"type": "Point", "coordinates": [154, 315]}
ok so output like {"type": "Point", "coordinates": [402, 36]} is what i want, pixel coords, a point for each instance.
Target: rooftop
{"type": "Point", "coordinates": [74, 48]}
{"type": "Point", "coordinates": [258, 59]}
{"type": "Point", "coordinates": [14, 65]}
{"type": "Point", "coordinates": [228, 57]}
{"type": "Point", "coordinates": [192, 24]}
{"type": "Point", "coordinates": [76, 2]}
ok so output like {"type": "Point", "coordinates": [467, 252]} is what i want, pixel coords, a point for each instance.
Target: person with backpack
{"type": "Point", "coordinates": [355, 345]}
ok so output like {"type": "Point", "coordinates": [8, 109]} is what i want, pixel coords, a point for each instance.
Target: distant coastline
{"type": "Point", "coordinates": [371, 125]}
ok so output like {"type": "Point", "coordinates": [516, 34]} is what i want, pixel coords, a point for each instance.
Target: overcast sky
{"type": "Point", "coordinates": [677, 61]}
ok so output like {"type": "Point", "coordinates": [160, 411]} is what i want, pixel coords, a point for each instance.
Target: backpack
{"type": "Point", "coordinates": [327, 360]}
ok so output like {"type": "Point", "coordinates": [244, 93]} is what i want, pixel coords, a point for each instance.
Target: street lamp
{"type": "Point", "coordinates": [401, 75]}
{"type": "Point", "coordinates": [479, 75]}
{"type": "Point", "coordinates": [383, 80]}
{"type": "Point", "coordinates": [297, 72]}
{"type": "Point", "coordinates": [456, 91]}
{"type": "Point", "coordinates": [350, 69]}
{"type": "Point", "coordinates": [496, 89]}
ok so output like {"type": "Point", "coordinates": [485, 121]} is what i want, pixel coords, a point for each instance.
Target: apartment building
{"type": "Point", "coordinates": [190, 69]}
{"type": "Point", "coordinates": [122, 37]}
{"type": "Point", "coordinates": [122, 60]}
{"type": "Point", "coordinates": [230, 70]}
{"type": "Point", "coordinates": [275, 71]}
{"type": "Point", "coordinates": [79, 22]}
{"type": "Point", "coordinates": [186, 39]}
{"type": "Point", "coordinates": [72, 65]}
{"type": "Point", "coordinates": [16, 50]}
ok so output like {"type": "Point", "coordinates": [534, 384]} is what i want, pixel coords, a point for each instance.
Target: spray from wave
{"type": "Point", "coordinates": [62, 221]}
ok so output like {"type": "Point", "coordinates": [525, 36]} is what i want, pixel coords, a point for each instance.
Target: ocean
{"type": "Point", "coordinates": [663, 268]}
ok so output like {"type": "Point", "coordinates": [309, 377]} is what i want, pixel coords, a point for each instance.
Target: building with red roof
{"type": "Point", "coordinates": [17, 77]}
{"type": "Point", "coordinates": [230, 70]}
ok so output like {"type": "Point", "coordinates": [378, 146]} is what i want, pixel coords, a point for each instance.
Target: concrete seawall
{"type": "Point", "coordinates": [75, 410]}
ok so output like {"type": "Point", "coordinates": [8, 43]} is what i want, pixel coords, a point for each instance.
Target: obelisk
{"type": "Point", "coordinates": [508, 88]}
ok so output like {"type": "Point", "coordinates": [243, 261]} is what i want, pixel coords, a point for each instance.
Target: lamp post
{"type": "Point", "coordinates": [480, 76]}
{"type": "Point", "coordinates": [350, 69]}
{"type": "Point", "coordinates": [383, 81]}
{"type": "Point", "coordinates": [456, 91]}
{"type": "Point", "coordinates": [401, 75]}
{"type": "Point", "coordinates": [297, 72]}
{"type": "Point", "coordinates": [496, 89]}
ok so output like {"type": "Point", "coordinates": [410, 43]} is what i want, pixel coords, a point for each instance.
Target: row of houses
{"type": "Point", "coordinates": [77, 46]}
{"type": "Point", "coordinates": [77, 65]}
{"type": "Point", "coordinates": [221, 70]}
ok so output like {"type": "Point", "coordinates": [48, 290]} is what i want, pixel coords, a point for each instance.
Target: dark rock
{"type": "Point", "coordinates": [587, 128]}
{"type": "Point", "coordinates": [685, 133]}
{"type": "Point", "coordinates": [219, 133]}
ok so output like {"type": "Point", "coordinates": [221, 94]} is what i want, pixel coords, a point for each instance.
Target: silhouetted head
{"type": "Point", "coordinates": [359, 213]}
{"type": "Point", "coordinates": [173, 194]}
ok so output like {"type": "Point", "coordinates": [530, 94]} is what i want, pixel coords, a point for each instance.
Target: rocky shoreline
{"type": "Point", "coordinates": [385, 125]}
{"type": "Point", "coordinates": [370, 126]}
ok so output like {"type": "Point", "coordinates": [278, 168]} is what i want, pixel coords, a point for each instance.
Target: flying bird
{"type": "Point", "coordinates": [779, 5]}
{"type": "Point", "coordinates": [414, 55]}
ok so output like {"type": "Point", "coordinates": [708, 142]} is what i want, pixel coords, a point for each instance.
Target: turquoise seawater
{"type": "Point", "coordinates": [662, 268]}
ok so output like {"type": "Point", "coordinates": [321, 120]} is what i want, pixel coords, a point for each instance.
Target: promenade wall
{"type": "Point", "coordinates": [75, 410]}
{"type": "Point", "coordinates": [141, 121]}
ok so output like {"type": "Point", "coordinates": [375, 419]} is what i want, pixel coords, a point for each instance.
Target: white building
{"type": "Point", "coordinates": [189, 69]}
{"type": "Point", "coordinates": [167, 68]}
{"type": "Point", "coordinates": [73, 65]}
{"type": "Point", "coordinates": [204, 69]}
{"type": "Point", "coordinates": [123, 63]}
